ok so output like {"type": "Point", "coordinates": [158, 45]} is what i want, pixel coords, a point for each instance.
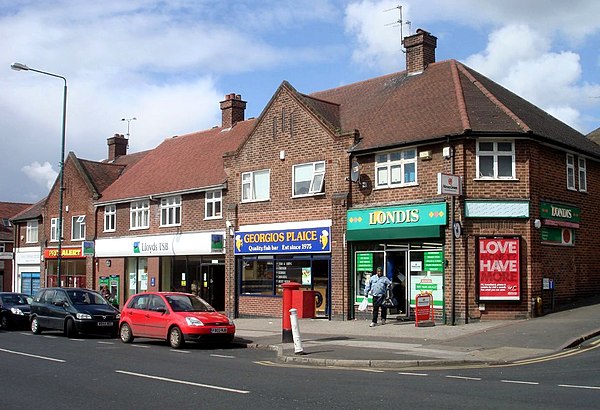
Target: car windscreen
{"type": "Point", "coordinates": [15, 299]}
{"type": "Point", "coordinates": [84, 297]}
{"type": "Point", "coordinates": [188, 303]}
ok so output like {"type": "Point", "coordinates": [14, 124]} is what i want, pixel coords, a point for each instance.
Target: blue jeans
{"type": "Point", "coordinates": [377, 303]}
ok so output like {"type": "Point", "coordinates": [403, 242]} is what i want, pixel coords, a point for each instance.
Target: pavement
{"type": "Point", "coordinates": [401, 344]}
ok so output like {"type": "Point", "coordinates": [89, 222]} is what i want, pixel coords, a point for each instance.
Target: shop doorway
{"type": "Point", "coordinates": [396, 271]}
{"type": "Point", "coordinates": [212, 287]}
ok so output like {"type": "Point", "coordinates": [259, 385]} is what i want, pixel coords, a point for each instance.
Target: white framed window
{"type": "Point", "coordinates": [54, 229]}
{"type": "Point", "coordinates": [110, 218]}
{"type": "Point", "coordinates": [395, 169]}
{"type": "Point", "coordinates": [139, 215]}
{"type": "Point", "coordinates": [308, 179]}
{"type": "Point", "coordinates": [570, 171]}
{"type": "Point", "coordinates": [170, 211]}
{"type": "Point", "coordinates": [255, 185]}
{"type": "Point", "coordinates": [582, 175]}
{"type": "Point", "coordinates": [496, 159]}
{"type": "Point", "coordinates": [31, 234]}
{"type": "Point", "coordinates": [78, 228]}
{"type": "Point", "coordinates": [213, 204]}
{"type": "Point", "coordinates": [6, 222]}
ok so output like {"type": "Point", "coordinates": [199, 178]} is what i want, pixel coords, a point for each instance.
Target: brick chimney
{"type": "Point", "coordinates": [232, 110]}
{"type": "Point", "coordinates": [420, 51]}
{"type": "Point", "coordinates": [117, 146]}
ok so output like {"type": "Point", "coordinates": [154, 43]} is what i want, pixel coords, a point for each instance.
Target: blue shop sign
{"type": "Point", "coordinates": [305, 240]}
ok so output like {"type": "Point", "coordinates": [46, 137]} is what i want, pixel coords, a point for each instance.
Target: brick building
{"type": "Point", "coordinates": [160, 226]}
{"type": "Point", "coordinates": [451, 183]}
{"type": "Point", "coordinates": [7, 211]}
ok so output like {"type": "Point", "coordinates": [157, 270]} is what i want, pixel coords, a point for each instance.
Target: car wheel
{"type": "Point", "coordinates": [125, 333]}
{"type": "Point", "coordinates": [71, 330]}
{"type": "Point", "coordinates": [4, 322]}
{"type": "Point", "coordinates": [176, 338]}
{"type": "Point", "coordinates": [35, 326]}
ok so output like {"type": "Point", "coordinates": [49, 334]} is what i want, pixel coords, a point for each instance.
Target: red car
{"type": "Point", "coordinates": [174, 317]}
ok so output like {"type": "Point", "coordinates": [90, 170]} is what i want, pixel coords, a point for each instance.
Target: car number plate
{"type": "Point", "coordinates": [105, 323]}
{"type": "Point", "coordinates": [218, 330]}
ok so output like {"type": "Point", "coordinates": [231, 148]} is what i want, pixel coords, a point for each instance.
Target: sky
{"type": "Point", "coordinates": [168, 64]}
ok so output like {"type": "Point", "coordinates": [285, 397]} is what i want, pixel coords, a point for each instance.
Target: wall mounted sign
{"type": "Point", "coordinates": [67, 253]}
{"type": "Point", "coordinates": [449, 184]}
{"type": "Point", "coordinates": [499, 270]}
{"type": "Point", "coordinates": [303, 240]}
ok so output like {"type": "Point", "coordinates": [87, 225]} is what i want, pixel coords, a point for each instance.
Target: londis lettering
{"type": "Point", "coordinates": [561, 212]}
{"type": "Point", "coordinates": [393, 217]}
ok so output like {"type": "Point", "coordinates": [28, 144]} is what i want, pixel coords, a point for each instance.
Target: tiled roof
{"type": "Point", "coordinates": [100, 174]}
{"type": "Point", "coordinates": [447, 99]}
{"type": "Point", "coordinates": [32, 212]}
{"type": "Point", "coordinates": [7, 211]}
{"type": "Point", "coordinates": [187, 162]}
{"type": "Point", "coordinates": [594, 136]}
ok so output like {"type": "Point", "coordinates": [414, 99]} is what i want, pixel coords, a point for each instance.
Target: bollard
{"type": "Point", "coordinates": [296, 332]}
{"type": "Point", "coordinates": [286, 328]}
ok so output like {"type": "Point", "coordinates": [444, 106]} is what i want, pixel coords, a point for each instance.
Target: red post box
{"type": "Point", "coordinates": [286, 324]}
{"type": "Point", "coordinates": [304, 302]}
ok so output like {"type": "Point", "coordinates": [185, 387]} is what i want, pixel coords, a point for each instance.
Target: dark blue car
{"type": "Point", "coordinates": [14, 310]}
{"type": "Point", "coordinates": [73, 311]}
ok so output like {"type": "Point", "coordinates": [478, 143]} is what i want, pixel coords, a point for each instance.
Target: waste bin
{"type": "Point", "coordinates": [304, 302]}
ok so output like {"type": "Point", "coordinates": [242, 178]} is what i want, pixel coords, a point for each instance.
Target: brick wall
{"type": "Point", "coordinates": [287, 126]}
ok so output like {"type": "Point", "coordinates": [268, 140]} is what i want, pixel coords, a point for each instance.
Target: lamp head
{"type": "Point", "coordinates": [19, 67]}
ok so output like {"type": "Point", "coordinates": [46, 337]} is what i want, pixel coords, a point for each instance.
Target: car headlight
{"type": "Point", "coordinates": [118, 316]}
{"type": "Point", "coordinates": [83, 316]}
{"type": "Point", "coordinates": [193, 321]}
{"type": "Point", "coordinates": [231, 322]}
{"type": "Point", "coordinates": [16, 311]}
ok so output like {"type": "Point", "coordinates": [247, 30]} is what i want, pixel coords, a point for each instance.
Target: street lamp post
{"type": "Point", "coordinates": [59, 227]}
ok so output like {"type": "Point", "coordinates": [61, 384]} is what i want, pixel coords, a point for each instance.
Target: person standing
{"type": "Point", "coordinates": [377, 285]}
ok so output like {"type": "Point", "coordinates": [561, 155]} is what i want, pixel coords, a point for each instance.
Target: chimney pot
{"type": "Point", "coordinates": [420, 51]}
{"type": "Point", "coordinates": [232, 110]}
{"type": "Point", "coordinates": [117, 146]}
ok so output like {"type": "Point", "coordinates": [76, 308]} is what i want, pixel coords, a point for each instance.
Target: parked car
{"type": "Point", "coordinates": [174, 317]}
{"type": "Point", "coordinates": [14, 310]}
{"type": "Point", "coordinates": [74, 311]}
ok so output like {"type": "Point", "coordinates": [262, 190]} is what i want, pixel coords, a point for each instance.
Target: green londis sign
{"type": "Point", "coordinates": [433, 261]}
{"type": "Point", "coordinates": [364, 262]}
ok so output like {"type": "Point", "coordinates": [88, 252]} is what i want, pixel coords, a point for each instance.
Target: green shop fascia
{"type": "Point", "coordinates": [369, 228]}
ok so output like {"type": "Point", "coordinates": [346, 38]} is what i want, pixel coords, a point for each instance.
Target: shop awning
{"type": "Point", "coordinates": [432, 231]}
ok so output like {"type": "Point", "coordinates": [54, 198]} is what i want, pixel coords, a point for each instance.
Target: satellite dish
{"type": "Point", "coordinates": [355, 171]}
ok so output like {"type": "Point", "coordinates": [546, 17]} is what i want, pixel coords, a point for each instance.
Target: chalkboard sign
{"type": "Point", "coordinates": [285, 271]}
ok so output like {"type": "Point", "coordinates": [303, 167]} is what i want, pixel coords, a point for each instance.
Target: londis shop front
{"type": "Point", "coordinates": [268, 255]}
{"type": "Point", "coordinates": [407, 242]}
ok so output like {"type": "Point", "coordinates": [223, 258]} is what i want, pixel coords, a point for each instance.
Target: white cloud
{"type": "Point", "coordinates": [379, 44]}
{"type": "Point", "coordinates": [42, 174]}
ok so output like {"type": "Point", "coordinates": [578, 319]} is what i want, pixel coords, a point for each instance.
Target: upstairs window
{"type": "Point", "coordinates": [31, 235]}
{"type": "Point", "coordinates": [570, 172]}
{"type": "Point", "coordinates": [308, 178]}
{"type": "Point", "coordinates": [255, 185]}
{"type": "Point", "coordinates": [213, 204]}
{"type": "Point", "coordinates": [6, 222]}
{"type": "Point", "coordinates": [78, 228]}
{"type": "Point", "coordinates": [54, 229]}
{"type": "Point", "coordinates": [110, 218]}
{"type": "Point", "coordinates": [496, 159]}
{"type": "Point", "coordinates": [396, 169]}
{"type": "Point", "coordinates": [139, 214]}
{"type": "Point", "coordinates": [582, 175]}
{"type": "Point", "coordinates": [170, 211]}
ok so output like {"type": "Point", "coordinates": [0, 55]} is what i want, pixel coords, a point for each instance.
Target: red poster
{"type": "Point", "coordinates": [499, 269]}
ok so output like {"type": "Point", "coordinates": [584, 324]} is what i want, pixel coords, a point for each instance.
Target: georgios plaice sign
{"type": "Point", "coordinates": [499, 269]}
{"type": "Point", "coordinates": [304, 240]}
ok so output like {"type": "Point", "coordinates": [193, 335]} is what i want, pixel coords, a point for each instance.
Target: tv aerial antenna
{"type": "Point", "coordinates": [400, 23]}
